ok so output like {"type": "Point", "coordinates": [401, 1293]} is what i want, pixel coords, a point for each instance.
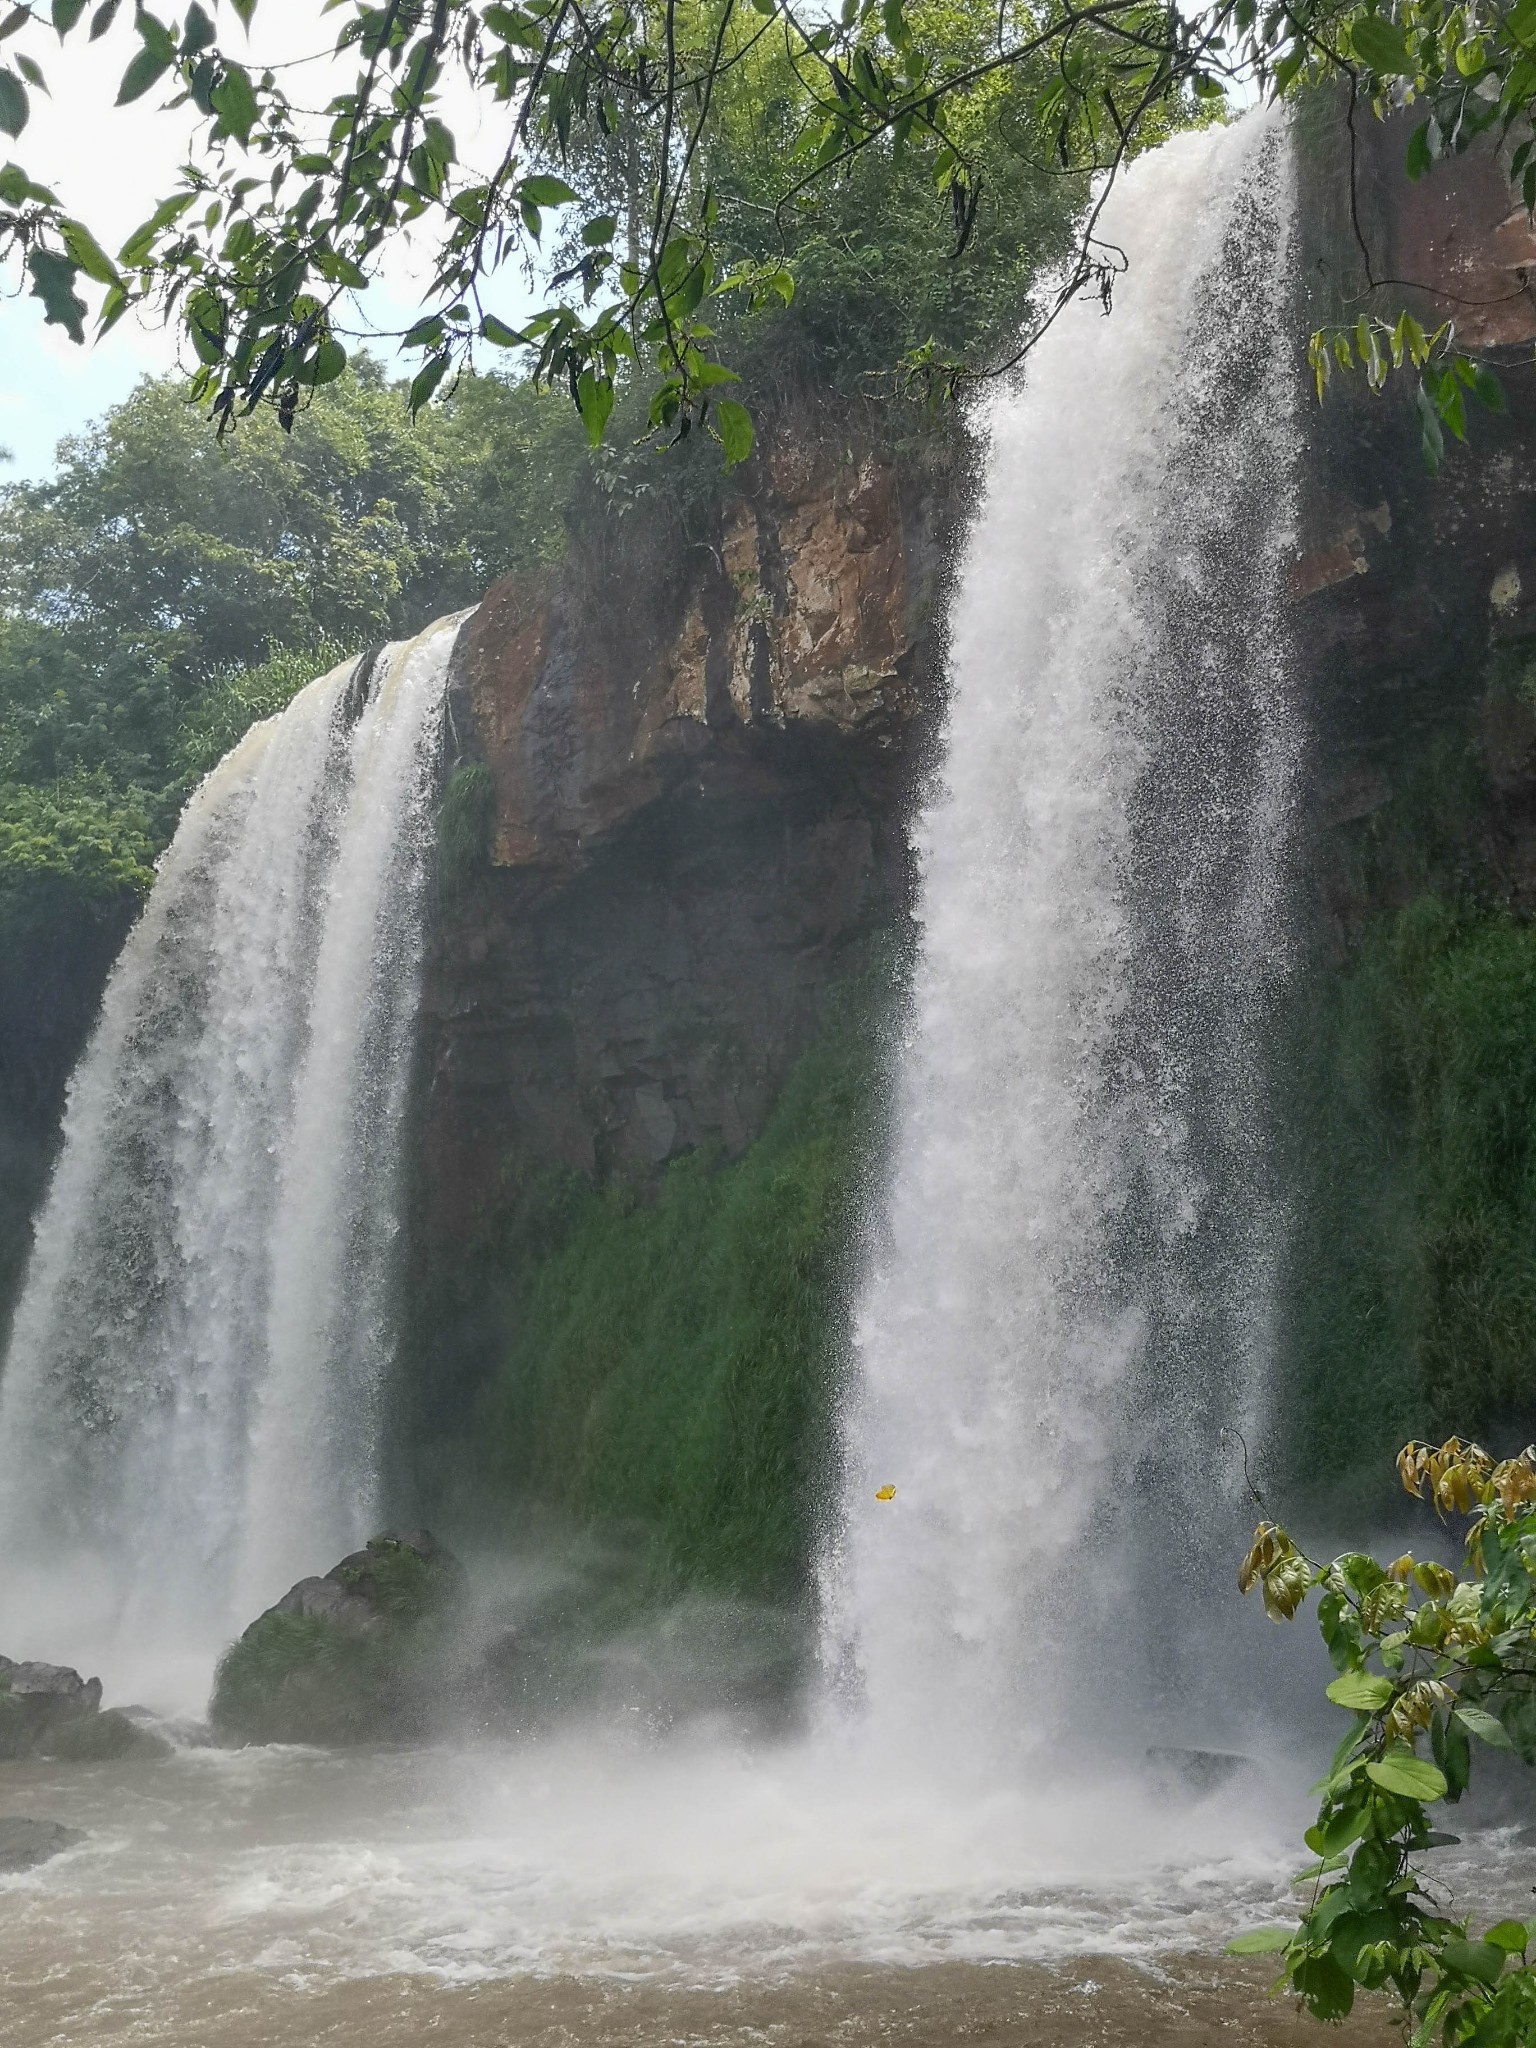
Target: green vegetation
{"type": "Point", "coordinates": [283, 213]}
{"type": "Point", "coordinates": [368, 1670]}
{"type": "Point", "coordinates": [672, 1357]}
{"type": "Point", "coordinates": [1416, 1294]}
{"type": "Point", "coordinates": [466, 821]}
{"type": "Point", "coordinates": [1420, 1653]}
{"type": "Point", "coordinates": [163, 593]}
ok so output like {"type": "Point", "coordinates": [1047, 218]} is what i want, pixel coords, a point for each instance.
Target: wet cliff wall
{"type": "Point", "coordinates": [684, 763]}
{"type": "Point", "coordinates": [1407, 1092]}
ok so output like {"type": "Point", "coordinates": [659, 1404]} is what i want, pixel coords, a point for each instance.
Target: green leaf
{"type": "Point", "coordinates": [733, 423]}
{"type": "Point", "coordinates": [1483, 1725]}
{"type": "Point", "coordinates": [1419, 159]}
{"type": "Point", "coordinates": [1382, 45]}
{"type": "Point", "coordinates": [198, 30]}
{"type": "Point", "coordinates": [1488, 391]}
{"type": "Point", "coordinates": [1409, 1776]}
{"type": "Point", "coordinates": [138, 244]}
{"type": "Point", "coordinates": [16, 188]}
{"type": "Point", "coordinates": [1261, 1941]}
{"type": "Point", "coordinates": [598, 233]}
{"type": "Point", "coordinates": [234, 101]}
{"type": "Point", "coordinates": [540, 190]}
{"type": "Point", "coordinates": [103, 19]}
{"type": "Point", "coordinates": [325, 365]}
{"type": "Point", "coordinates": [425, 382]}
{"type": "Point", "coordinates": [145, 70]}
{"type": "Point", "coordinates": [594, 399]}
{"type": "Point", "coordinates": [31, 71]}
{"type": "Point", "coordinates": [155, 36]}
{"type": "Point", "coordinates": [88, 252]}
{"type": "Point", "coordinates": [13, 22]}
{"type": "Point", "coordinates": [14, 105]}
{"type": "Point", "coordinates": [244, 9]}
{"type": "Point", "coordinates": [1512, 1936]}
{"type": "Point", "coordinates": [1329, 1836]}
{"type": "Point", "coordinates": [53, 281]}
{"type": "Point", "coordinates": [1363, 1692]}
{"type": "Point", "coordinates": [499, 333]}
{"type": "Point", "coordinates": [1481, 1960]}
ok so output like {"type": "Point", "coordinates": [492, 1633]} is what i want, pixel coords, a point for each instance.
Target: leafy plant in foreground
{"type": "Point", "coordinates": [1421, 1655]}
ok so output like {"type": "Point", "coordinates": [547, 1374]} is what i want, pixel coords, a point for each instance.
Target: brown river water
{"type": "Point", "coordinates": [601, 1892]}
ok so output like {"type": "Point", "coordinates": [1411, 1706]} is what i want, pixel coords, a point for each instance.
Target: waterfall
{"type": "Point", "coordinates": [1065, 1309]}
{"type": "Point", "coordinates": [191, 1408]}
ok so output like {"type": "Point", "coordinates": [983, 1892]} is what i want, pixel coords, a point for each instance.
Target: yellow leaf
{"type": "Point", "coordinates": [885, 1493]}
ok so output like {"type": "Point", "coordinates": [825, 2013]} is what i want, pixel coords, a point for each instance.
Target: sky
{"type": "Point", "coordinates": [110, 165]}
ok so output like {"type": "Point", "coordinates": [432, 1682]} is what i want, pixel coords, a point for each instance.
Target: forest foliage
{"type": "Point", "coordinates": [166, 588]}
{"type": "Point", "coordinates": [161, 592]}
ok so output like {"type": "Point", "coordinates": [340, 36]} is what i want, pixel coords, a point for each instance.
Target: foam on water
{"type": "Point", "coordinates": [690, 1860]}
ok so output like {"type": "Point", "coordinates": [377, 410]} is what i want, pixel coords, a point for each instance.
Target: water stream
{"type": "Point", "coordinates": [190, 1410]}
{"type": "Point", "coordinates": [1066, 1308]}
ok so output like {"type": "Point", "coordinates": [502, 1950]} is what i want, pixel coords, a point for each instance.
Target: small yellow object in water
{"type": "Point", "coordinates": [885, 1493]}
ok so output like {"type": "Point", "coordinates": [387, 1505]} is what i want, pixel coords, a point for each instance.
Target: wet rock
{"type": "Point", "coordinates": [355, 1656]}
{"type": "Point", "coordinates": [39, 1703]}
{"type": "Point", "coordinates": [26, 1843]}
{"type": "Point", "coordinates": [1197, 1770]}
{"type": "Point", "coordinates": [104, 1738]}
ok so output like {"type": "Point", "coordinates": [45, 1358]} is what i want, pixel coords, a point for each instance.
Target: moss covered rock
{"type": "Point", "coordinates": [361, 1655]}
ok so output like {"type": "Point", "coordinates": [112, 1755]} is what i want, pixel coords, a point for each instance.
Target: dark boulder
{"type": "Point", "coordinates": [26, 1843]}
{"type": "Point", "coordinates": [41, 1704]}
{"type": "Point", "coordinates": [357, 1656]}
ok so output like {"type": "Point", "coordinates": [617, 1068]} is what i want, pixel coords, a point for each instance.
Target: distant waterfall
{"type": "Point", "coordinates": [191, 1406]}
{"type": "Point", "coordinates": [1067, 1304]}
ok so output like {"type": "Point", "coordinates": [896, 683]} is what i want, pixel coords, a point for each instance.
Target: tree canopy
{"type": "Point", "coordinates": [613, 191]}
{"type": "Point", "coordinates": [161, 592]}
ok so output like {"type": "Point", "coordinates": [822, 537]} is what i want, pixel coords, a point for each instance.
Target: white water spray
{"type": "Point", "coordinates": [191, 1407]}
{"type": "Point", "coordinates": [1072, 1283]}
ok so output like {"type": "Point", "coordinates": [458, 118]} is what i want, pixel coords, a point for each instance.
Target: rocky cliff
{"type": "Point", "coordinates": [701, 741]}
{"type": "Point", "coordinates": [1406, 1083]}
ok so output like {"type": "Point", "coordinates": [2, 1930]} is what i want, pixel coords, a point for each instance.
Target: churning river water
{"type": "Point", "coordinates": [598, 1887]}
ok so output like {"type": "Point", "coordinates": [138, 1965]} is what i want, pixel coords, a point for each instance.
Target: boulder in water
{"type": "Point", "coordinates": [105, 1738]}
{"type": "Point", "coordinates": [40, 1704]}
{"type": "Point", "coordinates": [26, 1843]}
{"type": "Point", "coordinates": [351, 1657]}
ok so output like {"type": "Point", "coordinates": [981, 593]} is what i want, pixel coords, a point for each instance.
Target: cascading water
{"type": "Point", "coordinates": [190, 1411]}
{"type": "Point", "coordinates": [1064, 1307]}
{"type": "Point", "coordinates": [1068, 1302]}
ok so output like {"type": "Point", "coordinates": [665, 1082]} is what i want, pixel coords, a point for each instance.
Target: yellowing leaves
{"type": "Point", "coordinates": [1457, 1476]}
{"type": "Point", "coordinates": [1277, 1567]}
{"type": "Point", "coordinates": [885, 1493]}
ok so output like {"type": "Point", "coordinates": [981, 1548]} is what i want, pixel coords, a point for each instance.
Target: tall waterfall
{"type": "Point", "coordinates": [1066, 1309]}
{"type": "Point", "coordinates": [191, 1406]}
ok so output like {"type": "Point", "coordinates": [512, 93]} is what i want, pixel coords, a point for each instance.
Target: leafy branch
{"type": "Point", "coordinates": [1422, 1655]}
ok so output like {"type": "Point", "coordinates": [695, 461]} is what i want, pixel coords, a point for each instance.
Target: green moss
{"type": "Point", "coordinates": [673, 1359]}
{"type": "Point", "coordinates": [1414, 1308]}
{"type": "Point", "coordinates": [373, 1676]}
{"type": "Point", "coordinates": [466, 824]}
{"type": "Point", "coordinates": [297, 1678]}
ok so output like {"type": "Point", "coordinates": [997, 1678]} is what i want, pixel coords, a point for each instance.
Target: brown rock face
{"type": "Point", "coordinates": [702, 740]}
